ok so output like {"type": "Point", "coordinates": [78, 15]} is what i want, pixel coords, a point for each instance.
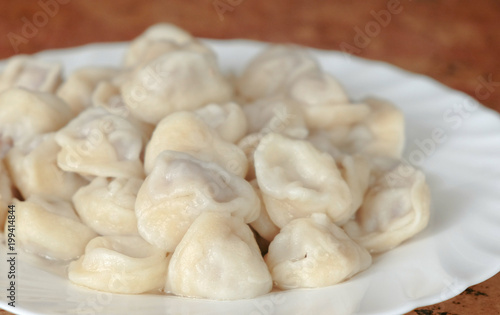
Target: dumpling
{"type": "Point", "coordinates": [179, 188]}
{"type": "Point", "coordinates": [227, 119]}
{"type": "Point", "coordinates": [297, 180]}
{"type": "Point", "coordinates": [273, 70]}
{"type": "Point", "coordinates": [49, 227]}
{"type": "Point", "coordinates": [381, 133]}
{"type": "Point", "coordinates": [313, 252]}
{"type": "Point", "coordinates": [396, 207]}
{"type": "Point", "coordinates": [107, 205]}
{"type": "Point", "coordinates": [178, 80]}
{"type": "Point", "coordinates": [34, 170]}
{"type": "Point", "coordinates": [159, 39]}
{"type": "Point", "coordinates": [77, 89]}
{"type": "Point", "coordinates": [98, 143]}
{"type": "Point", "coordinates": [24, 114]}
{"type": "Point", "coordinates": [263, 225]}
{"type": "Point", "coordinates": [219, 259]}
{"type": "Point", "coordinates": [187, 132]}
{"type": "Point", "coordinates": [120, 264]}
{"type": "Point", "coordinates": [26, 72]}
{"type": "Point", "coordinates": [5, 194]}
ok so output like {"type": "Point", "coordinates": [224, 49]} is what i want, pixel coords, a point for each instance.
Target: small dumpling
{"type": "Point", "coordinates": [107, 205]}
{"type": "Point", "coordinates": [34, 170]}
{"type": "Point", "coordinates": [263, 225]}
{"type": "Point", "coordinates": [227, 119]}
{"type": "Point", "coordinates": [98, 143]}
{"type": "Point", "coordinates": [5, 194]}
{"type": "Point", "coordinates": [159, 39]}
{"type": "Point", "coordinates": [24, 114]}
{"type": "Point", "coordinates": [313, 252]}
{"type": "Point", "coordinates": [187, 132]}
{"type": "Point", "coordinates": [395, 208]}
{"type": "Point", "coordinates": [297, 180]}
{"type": "Point", "coordinates": [77, 89]}
{"type": "Point", "coordinates": [50, 228]}
{"type": "Point", "coordinates": [273, 70]}
{"type": "Point", "coordinates": [218, 259]}
{"type": "Point", "coordinates": [26, 72]}
{"type": "Point", "coordinates": [178, 80]}
{"type": "Point", "coordinates": [120, 264]}
{"type": "Point", "coordinates": [381, 133]}
{"type": "Point", "coordinates": [179, 188]}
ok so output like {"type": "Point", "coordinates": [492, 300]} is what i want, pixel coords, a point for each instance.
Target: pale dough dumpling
{"type": "Point", "coordinates": [49, 227]}
{"type": "Point", "coordinates": [297, 180]}
{"type": "Point", "coordinates": [227, 119]}
{"type": "Point", "coordinates": [179, 188]}
{"type": "Point", "coordinates": [107, 205]}
{"type": "Point", "coordinates": [34, 169]}
{"type": "Point", "coordinates": [120, 264]}
{"type": "Point", "coordinates": [187, 132]}
{"type": "Point", "coordinates": [263, 225]}
{"type": "Point", "coordinates": [5, 194]}
{"type": "Point", "coordinates": [24, 71]}
{"type": "Point", "coordinates": [396, 207]}
{"type": "Point", "coordinates": [24, 114]}
{"type": "Point", "coordinates": [98, 143]}
{"type": "Point", "coordinates": [273, 70]}
{"type": "Point", "coordinates": [313, 252]}
{"type": "Point", "coordinates": [77, 89]}
{"type": "Point", "coordinates": [219, 259]}
{"type": "Point", "coordinates": [178, 80]}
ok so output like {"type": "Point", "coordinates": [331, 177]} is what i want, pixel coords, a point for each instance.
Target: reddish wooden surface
{"type": "Point", "coordinates": [454, 42]}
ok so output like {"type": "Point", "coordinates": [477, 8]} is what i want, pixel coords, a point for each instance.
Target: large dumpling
{"type": "Point", "coordinates": [107, 205]}
{"type": "Point", "coordinates": [179, 188]}
{"type": "Point", "coordinates": [49, 227]}
{"type": "Point", "coordinates": [98, 143]}
{"type": "Point", "coordinates": [120, 264]}
{"type": "Point", "coordinates": [219, 259]}
{"type": "Point", "coordinates": [396, 207]}
{"type": "Point", "coordinates": [297, 180]}
{"type": "Point", "coordinates": [313, 252]}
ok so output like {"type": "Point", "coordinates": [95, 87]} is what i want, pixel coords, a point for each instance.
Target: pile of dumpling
{"type": "Point", "coordinates": [168, 175]}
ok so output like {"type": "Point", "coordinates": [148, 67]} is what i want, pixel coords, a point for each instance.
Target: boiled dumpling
{"type": "Point", "coordinates": [395, 208]}
{"type": "Point", "coordinates": [297, 180]}
{"type": "Point", "coordinates": [98, 143]}
{"type": "Point", "coordinates": [273, 70]}
{"type": "Point", "coordinates": [49, 227]}
{"type": "Point", "coordinates": [5, 194]}
{"type": "Point", "coordinates": [34, 169]}
{"type": "Point", "coordinates": [107, 205]}
{"type": "Point", "coordinates": [24, 114]}
{"type": "Point", "coordinates": [120, 264]}
{"type": "Point", "coordinates": [263, 225]}
{"type": "Point", "coordinates": [219, 259]}
{"type": "Point", "coordinates": [186, 132]}
{"type": "Point", "coordinates": [179, 188]}
{"type": "Point", "coordinates": [227, 119]}
{"type": "Point", "coordinates": [313, 252]}
{"type": "Point", "coordinates": [30, 73]}
{"type": "Point", "coordinates": [178, 80]}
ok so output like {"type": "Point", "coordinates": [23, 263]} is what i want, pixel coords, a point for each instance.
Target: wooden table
{"type": "Point", "coordinates": [454, 42]}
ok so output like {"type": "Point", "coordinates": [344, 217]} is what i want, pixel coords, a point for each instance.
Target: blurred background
{"type": "Point", "coordinates": [455, 42]}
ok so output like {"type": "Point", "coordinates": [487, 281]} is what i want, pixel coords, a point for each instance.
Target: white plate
{"type": "Point", "coordinates": [459, 248]}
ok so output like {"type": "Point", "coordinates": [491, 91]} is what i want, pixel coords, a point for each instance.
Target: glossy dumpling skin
{"type": "Point", "coordinates": [396, 207]}
{"type": "Point", "coordinates": [297, 180]}
{"type": "Point", "coordinates": [98, 143]}
{"type": "Point", "coordinates": [227, 119]}
{"type": "Point", "coordinates": [49, 227]}
{"type": "Point", "coordinates": [180, 188]}
{"type": "Point", "coordinates": [313, 252]}
{"type": "Point", "coordinates": [107, 205]}
{"type": "Point", "coordinates": [35, 172]}
{"type": "Point", "coordinates": [120, 264]}
{"type": "Point", "coordinates": [263, 225]}
{"type": "Point", "coordinates": [187, 132]}
{"type": "Point", "coordinates": [219, 259]}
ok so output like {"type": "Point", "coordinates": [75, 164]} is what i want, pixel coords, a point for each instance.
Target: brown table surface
{"type": "Point", "coordinates": [454, 42]}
